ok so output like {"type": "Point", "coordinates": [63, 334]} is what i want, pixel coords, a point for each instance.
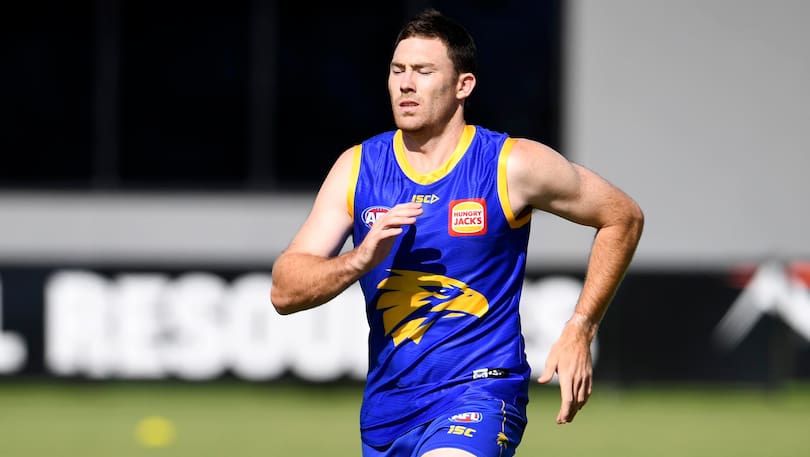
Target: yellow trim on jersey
{"type": "Point", "coordinates": [442, 171]}
{"type": "Point", "coordinates": [358, 151]}
{"type": "Point", "coordinates": [503, 191]}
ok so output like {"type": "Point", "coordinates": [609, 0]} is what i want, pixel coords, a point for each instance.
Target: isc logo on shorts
{"type": "Point", "coordinates": [467, 418]}
{"type": "Point", "coordinates": [461, 430]}
{"type": "Point", "coordinates": [371, 214]}
{"type": "Point", "coordinates": [467, 217]}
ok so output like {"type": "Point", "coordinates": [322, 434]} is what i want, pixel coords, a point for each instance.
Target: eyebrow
{"type": "Point", "coordinates": [417, 66]}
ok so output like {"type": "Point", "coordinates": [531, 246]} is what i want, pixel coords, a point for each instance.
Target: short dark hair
{"type": "Point", "coordinates": [431, 23]}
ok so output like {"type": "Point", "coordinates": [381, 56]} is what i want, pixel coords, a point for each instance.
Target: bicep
{"type": "Point", "coordinates": [327, 226]}
{"type": "Point", "coordinates": [545, 180]}
{"type": "Point", "coordinates": [592, 200]}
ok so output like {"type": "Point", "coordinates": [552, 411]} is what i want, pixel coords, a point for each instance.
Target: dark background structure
{"type": "Point", "coordinates": [238, 95]}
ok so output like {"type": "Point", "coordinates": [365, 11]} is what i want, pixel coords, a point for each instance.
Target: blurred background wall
{"type": "Point", "coordinates": [699, 109]}
{"type": "Point", "coordinates": [158, 156]}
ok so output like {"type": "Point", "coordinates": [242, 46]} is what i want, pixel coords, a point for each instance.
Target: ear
{"type": "Point", "coordinates": [465, 86]}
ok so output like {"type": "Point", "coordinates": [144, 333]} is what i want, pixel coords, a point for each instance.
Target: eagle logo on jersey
{"type": "Point", "coordinates": [412, 301]}
{"type": "Point", "coordinates": [502, 440]}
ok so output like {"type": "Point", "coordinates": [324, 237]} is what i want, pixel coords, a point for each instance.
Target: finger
{"type": "Point", "coordinates": [567, 406]}
{"type": "Point", "coordinates": [578, 391]}
{"type": "Point", "coordinates": [407, 205]}
{"type": "Point", "coordinates": [400, 217]}
{"type": "Point", "coordinates": [567, 413]}
{"type": "Point", "coordinates": [406, 208]}
{"type": "Point", "coordinates": [390, 232]}
{"type": "Point", "coordinates": [566, 416]}
{"type": "Point", "coordinates": [394, 221]}
{"type": "Point", "coordinates": [397, 221]}
{"type": "Point", "coordinates": [584, 392]}
{"type": "Point", "coordinates": [405, 212]}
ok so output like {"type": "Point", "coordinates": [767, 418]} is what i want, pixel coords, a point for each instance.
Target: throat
{"type": "Point", "coordinates": [428, 162]}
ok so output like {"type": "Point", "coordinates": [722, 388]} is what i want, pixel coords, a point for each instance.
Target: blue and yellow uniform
{"type": "Point", "coordinates": [443, 307]}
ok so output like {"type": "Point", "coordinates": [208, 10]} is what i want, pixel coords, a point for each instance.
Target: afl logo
{"type": "Point", "coordinates": [371, 214]}
{"type": "Point", "coordinates": [467, 418]}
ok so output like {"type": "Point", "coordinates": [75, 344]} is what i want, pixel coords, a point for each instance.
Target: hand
{"type": "Point", "coordinates": [377, 244]}
{"type": "Point", "coordinates": [570, 358]}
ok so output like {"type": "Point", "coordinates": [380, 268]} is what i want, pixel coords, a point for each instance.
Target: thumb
{"type": "Point", "coordinates": [548, 372]}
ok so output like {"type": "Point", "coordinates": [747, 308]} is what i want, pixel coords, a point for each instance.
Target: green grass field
{"type": "Point", "coordinates": [269, 420]}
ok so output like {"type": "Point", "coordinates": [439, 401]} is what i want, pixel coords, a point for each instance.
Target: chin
{"type": "Point", "coordinates": [408, 125]}
{"type": "Point", "coordinates": [411, 130]}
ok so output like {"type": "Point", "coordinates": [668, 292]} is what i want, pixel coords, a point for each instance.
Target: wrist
{"type": "Point", "coordinates": [354, 263]}
{"type": "Point", "coordinates": [585, 324]}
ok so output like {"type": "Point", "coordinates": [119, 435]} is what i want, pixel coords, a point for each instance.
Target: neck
{"type": "Point", "coordinates": [428, 152]}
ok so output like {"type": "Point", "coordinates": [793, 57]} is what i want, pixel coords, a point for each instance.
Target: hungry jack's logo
{"type": "Point", "coordinates": [412, 301]}
{"type": "Point", "coordinates": [468, 217]}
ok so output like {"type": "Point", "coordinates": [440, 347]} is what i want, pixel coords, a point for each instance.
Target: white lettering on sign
{"type": "Point", "coordinates": [771, 290]}
{"type": "Point", "coordinates": [12, 348]}
{"type": "Point", "coordinates": [198, 327]}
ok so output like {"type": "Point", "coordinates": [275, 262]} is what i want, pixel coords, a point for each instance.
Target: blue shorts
{"type": "Point", "coordinates": [485, 428]}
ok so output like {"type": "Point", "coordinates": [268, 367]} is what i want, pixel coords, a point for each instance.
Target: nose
{"type": "Point", "coordinates": [406, 83]}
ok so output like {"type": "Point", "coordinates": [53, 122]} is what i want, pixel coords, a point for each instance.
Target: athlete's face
{"type": "Point", "coordinates": [424, 87]}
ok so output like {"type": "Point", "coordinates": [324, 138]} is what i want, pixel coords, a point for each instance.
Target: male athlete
{"type": "Point", "coordinates": [439, 213]}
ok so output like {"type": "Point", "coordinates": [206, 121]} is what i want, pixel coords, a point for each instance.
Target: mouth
{"type": "Point", "coordinates": [408, 106]}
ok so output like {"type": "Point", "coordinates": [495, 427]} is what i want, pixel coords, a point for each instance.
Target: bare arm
{"type": "Point", "coordinates": [310, 272]}
{"type": "Point", "coordinates": [307, 273]}
{"type": "Point", "coordinates": [541, 178]}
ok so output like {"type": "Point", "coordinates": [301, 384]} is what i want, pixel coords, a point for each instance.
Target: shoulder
{"type": "Point", "coordinates": [526, 149]}
{"type": "Point", "coordinates": [537, 173]}
{"type": "Point", "coordinates": [530, 159]}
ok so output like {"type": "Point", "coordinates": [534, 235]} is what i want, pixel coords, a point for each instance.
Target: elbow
{"type": "Point", "coordinates": [281, 302]}
{"type": "Point", "coordinates": [639, 218]}
{"type": "Point", "coordinates": [635, 220]}
{"type": "Point", "coordinates": [281, 297]}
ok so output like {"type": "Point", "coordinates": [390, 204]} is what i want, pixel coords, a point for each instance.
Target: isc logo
{"type": "Point", "coordinates": [425, 198]}
{"type": "Point", "coordinates": [461, 430]}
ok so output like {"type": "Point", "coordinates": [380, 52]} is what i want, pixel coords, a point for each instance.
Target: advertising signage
{"type": "Point", "coordinates": [748, 325]}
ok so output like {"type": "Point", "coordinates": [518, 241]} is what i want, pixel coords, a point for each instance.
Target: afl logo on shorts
{"type": "Point", "coordinates": [371, 214]}
{"type": "Point", "coordinates": [467, 418]}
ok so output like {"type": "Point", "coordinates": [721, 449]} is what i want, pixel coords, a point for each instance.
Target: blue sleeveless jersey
{"type": "Point", "coordinates": [443, 307]}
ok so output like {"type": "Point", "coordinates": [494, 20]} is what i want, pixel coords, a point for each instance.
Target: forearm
{"type": "Point", "coordinates": [303, 281]}
{"type": "Point", "coordinates": [611, 254]}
